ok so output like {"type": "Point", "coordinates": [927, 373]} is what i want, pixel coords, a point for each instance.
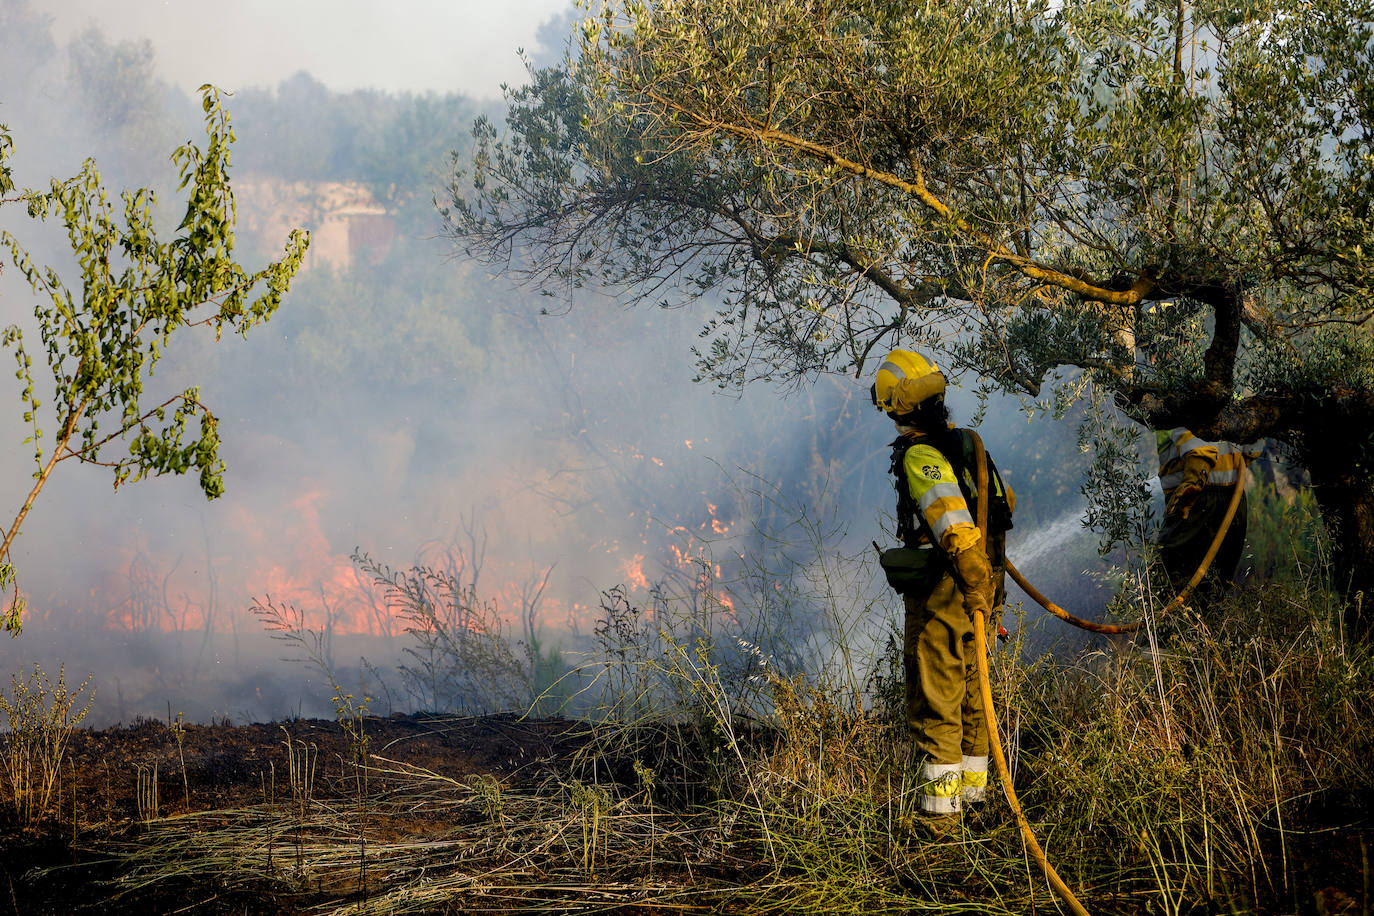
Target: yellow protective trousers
{"type": "Point", "coordinates": [944, 707]}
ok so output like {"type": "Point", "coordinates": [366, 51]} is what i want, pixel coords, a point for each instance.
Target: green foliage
{"type": "Point", "coordinates": [1202, 763]}
{"type": "Point", "coordinates": [1118, 497]}
{"type": "Point", "coordinates": [460, 659]}
{"type": "Point", "coordinates": [869, 163]}
{"type": "Point", "coordinates": [1284, 540]}
{"type": "Point", "coordinates": [6, 150]}
{"type": "Point", "coordinates": [136, 292]}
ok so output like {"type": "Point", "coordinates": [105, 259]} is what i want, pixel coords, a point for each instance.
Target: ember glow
{"type": "Point", "coordinates": [634, 571]}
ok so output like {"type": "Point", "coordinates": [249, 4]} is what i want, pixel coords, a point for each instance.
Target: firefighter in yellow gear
{"type": "Point", "coordinates": [962, 572]}
{"type": "Point", "coordinates": [1197, 478]}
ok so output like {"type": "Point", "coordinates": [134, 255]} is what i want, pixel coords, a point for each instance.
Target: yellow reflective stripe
{"type": "Point", "coordinates": [1182, 443]}
{"type": "Point", "coordinates": [1228, 460]}
{"type": "Point", "coordinates": [942, 788]}
{"type": "Point", "coordinates": [1197, 445]}
{"type": "Point", "coordinates": [975, 778]}
{"type": "Point", "coordinates": [1225, 472]}
{"type": "Point", "coordinates": [1229, 465]}
{"type": "Point", "coordinates": [946, 785]}
{"type": "Point", "coordinates": [1229, 457]}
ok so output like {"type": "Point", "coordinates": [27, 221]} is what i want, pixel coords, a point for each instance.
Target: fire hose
{"type": "Point", "coordinates": [980, 624]}
{"type": "Point", "coordinates": [1112, 628]}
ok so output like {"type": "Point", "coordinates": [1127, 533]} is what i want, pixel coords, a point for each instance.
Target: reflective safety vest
{"type": "Point", "coordinates": [1177, 445]}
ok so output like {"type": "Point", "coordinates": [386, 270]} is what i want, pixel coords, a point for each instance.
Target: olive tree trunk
{"type": "Point", "coordinates": [1345, 492]}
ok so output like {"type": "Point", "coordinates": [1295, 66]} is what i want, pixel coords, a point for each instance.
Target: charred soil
{"type": "Point", "coordinates": [119, 784]}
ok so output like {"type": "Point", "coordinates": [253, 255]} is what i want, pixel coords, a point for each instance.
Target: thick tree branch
{"type": "Point", "coordinates": [1287, 416]}
{"type": "Point", "coordinates": [916, 187]}
{"type": "Point", "coordinates": [1240, 421]}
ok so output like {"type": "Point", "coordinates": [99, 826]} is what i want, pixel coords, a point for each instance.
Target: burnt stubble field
{"type": "Point", "coordinates": [142, 806]}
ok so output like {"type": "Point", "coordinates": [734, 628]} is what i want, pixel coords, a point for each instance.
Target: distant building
{"type": "Point", "coordinates": [347, 225]}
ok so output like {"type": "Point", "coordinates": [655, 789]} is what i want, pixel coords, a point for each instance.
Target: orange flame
{"type": "Point", "coordinates": [634, 571]}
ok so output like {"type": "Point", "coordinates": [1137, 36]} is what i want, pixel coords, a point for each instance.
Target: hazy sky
{"type": "Point", "coordinates": [466, 46]}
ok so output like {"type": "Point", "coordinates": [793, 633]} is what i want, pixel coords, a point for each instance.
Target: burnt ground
{"type": "Point", "coordinates": [107, 794]}
{"type": "Point", "coordinates": [82, 860]}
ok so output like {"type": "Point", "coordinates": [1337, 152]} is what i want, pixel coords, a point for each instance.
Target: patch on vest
{"type": "Point", "coordinates": [931, 471]}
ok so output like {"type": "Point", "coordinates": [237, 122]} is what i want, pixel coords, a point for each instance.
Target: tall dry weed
{"type": "Point", "coordinates": [40, 716]}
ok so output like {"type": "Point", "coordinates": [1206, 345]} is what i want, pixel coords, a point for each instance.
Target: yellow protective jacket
{"type": "Point", "coordinates": [1184, 457]}
{"type": "Point", "coordinates": [930, 481]}
{"type": "Point", "coordinates": [934, 488]}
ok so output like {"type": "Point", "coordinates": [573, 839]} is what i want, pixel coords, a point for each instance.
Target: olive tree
{"type": "Point", "coordinates": [136, 294]}
{"type": "Point", "coordinates": [1167, 201]}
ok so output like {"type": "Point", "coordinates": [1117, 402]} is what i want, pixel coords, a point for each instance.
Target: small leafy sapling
{"type": "Point", "coordinates": [103, 338]}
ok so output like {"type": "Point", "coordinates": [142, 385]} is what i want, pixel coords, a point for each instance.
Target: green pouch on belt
{"type": "Point", "coordinates": [911, 570]}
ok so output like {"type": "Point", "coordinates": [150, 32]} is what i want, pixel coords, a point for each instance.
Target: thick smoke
{"type": "Point", "coordinates": [405, 404]}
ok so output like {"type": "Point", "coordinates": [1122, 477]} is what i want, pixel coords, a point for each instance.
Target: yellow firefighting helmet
{"type": "Point", "coordinates": [905, 379]}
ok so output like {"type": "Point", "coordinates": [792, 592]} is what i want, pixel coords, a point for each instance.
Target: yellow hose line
{"type": "Point", "coordinates": [1062, 614]}
{"type": "Point", "coordinates": [1111, 628]}
{"type": "Point", "coordinates": [980, 643]}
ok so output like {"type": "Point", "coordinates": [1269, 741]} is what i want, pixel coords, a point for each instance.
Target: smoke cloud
{"type": "Point", "coordinates": [405, 404]}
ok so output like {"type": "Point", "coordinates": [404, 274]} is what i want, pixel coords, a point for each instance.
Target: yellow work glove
{"type": "Point", "coordinates": [1182, 500]}
{"type": "Point", "coordinates": [975, 580]}
{"type": "Point", "coordinates": [1195, 470]}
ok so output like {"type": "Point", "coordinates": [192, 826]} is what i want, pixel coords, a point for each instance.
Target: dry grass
{"type": "Point", "coordinates": [40, 716]}
{"type": "Point", "coordinates": [1180, 778]}
{"type": "Point", "coordinates": [1202, 768]}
